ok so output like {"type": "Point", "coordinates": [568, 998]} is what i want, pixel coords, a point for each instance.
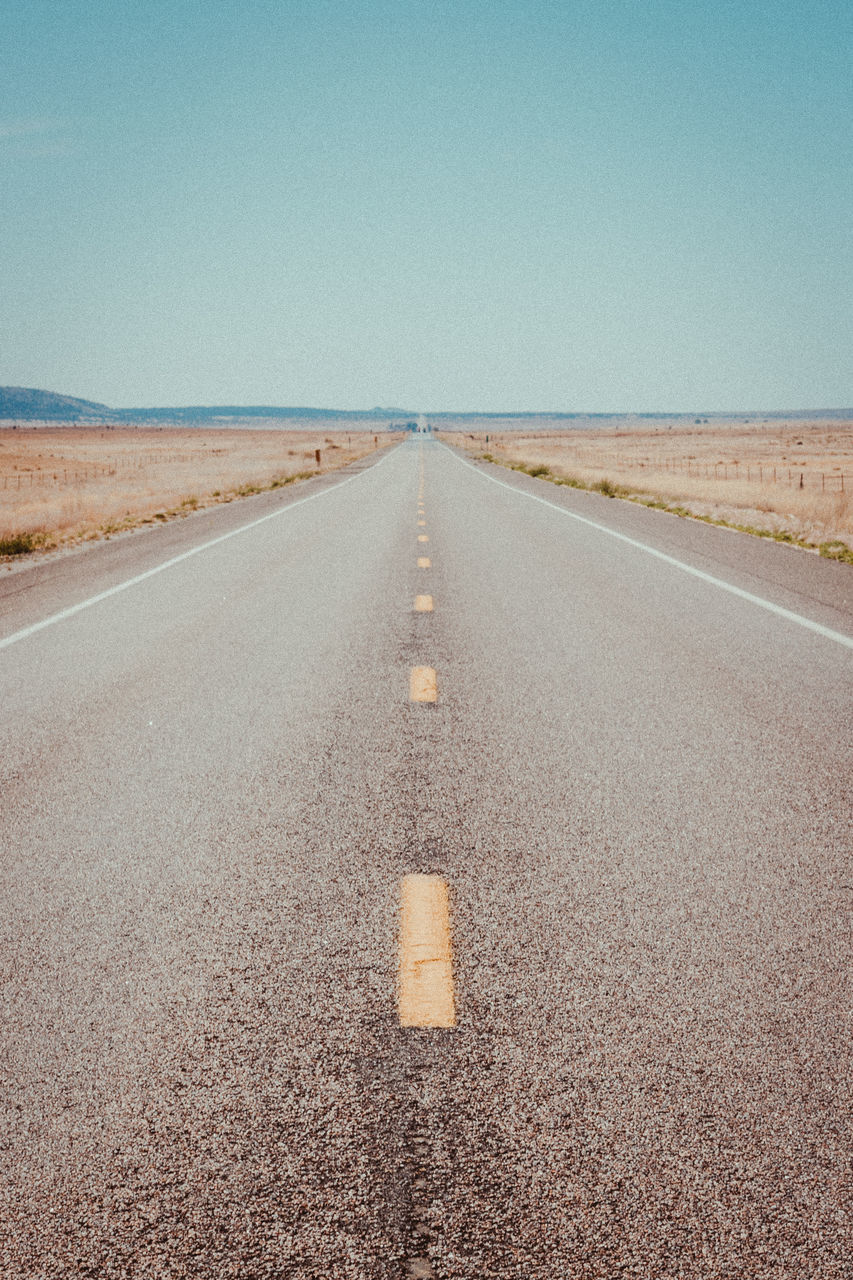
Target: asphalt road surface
{"type": "Point", "coordinates": [630, 794]}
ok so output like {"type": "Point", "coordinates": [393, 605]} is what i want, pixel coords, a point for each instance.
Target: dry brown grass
{"type": "Point", "coordinates": [60, 485]}
{"type": "Point", "coordinates": [746, 476]}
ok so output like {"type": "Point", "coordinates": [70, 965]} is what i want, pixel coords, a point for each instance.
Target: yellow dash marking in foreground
{"type": "Point", "coordinates": [422, 687]}
{"type": "Point", "coordinates": [422, 524]}
{"type": "Point", "coordinates": [424, 562]}
{"type": "Point", "coordinates": [423, 537]}
{"type": "Point", "coordinates": [425, 991]}
{"type": "Point", "coordinates": [423, 604]}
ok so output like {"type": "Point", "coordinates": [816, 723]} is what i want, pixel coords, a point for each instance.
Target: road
{"type": "Point", "coordinates": [630, 793]}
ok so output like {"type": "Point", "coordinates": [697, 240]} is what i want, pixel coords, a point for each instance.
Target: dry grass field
{"type": "Point", "coordinates": [788, 480]}
{"type": "Point", "coordinates": [60, 485]}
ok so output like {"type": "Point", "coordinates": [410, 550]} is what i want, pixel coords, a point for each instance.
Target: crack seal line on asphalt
{"type": "Point", "coordinates": [25, 632]}
{"type": "Point", "coordinates": [788, 614]}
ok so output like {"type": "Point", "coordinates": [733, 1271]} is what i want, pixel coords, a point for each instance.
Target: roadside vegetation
{"type": "Point", "coordinates": [60, 486]}
{"type": "Point", "coordinates": [791, 483]}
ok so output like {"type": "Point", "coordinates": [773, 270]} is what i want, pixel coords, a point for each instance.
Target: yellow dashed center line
{"type": "Point", "coordinates": [422, 685]}
{"type": "Point", "coordinates": [425, 990]}
{"type": "Point", "coordinates": [422, 524]}
{"type": "Point", "coordinates": [423, 537]}
{"type": "Point", "coordinates": [423, 604]}
{"type": "Point", "coordinates": [424, 562]}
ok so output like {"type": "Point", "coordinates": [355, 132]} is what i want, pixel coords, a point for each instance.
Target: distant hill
{"type": "Point", "coordinates": [218, 412]}
{"type": "Point", "coordinates": [26, 402]}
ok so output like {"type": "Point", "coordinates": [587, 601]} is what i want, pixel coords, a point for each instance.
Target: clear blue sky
{"type": "Point", "coordinates": [577, 205]}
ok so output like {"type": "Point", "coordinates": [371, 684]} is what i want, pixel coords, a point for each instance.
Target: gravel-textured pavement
{"type": "Point", "coordinates": [637, 787]}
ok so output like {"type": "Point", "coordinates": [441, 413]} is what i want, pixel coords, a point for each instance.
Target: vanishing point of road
{"type": "Point", "coordinates": [427, 872]}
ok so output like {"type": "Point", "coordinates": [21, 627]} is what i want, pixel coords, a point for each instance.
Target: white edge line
{"type": "Point", "coordinates": [25, 632]}
{"type": "Point", "coordinates": [781, 612]}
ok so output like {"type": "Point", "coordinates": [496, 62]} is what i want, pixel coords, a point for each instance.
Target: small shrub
{"type": "Point", "coordinates": [21, 544]}
{"type": "Point", "coordinates": [537, 471]}
{"type": "Point", "coordinates": [836, 550]}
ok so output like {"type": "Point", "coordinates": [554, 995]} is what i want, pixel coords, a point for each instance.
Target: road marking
{"type": "Point", "coordinates": [423, 537]}
{"type": "Point", "coordinates": [423, 604]}
{"type": "Point", "coordinates": [424, 562]}
{"type": "Point", "coordinates": [779, 610]}
{"type": "Point", "coordinates": [422, 524]}
{"type": "Point", "coordinates": [25, 632]}
{"type": "Point", "coordinates": [425, 991]}
{"type": "Point", "coordinates": [422, 685]}
{"type": "Point", "coordinates": [420, 1268]}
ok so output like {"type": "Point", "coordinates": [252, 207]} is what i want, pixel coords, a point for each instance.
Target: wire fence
{"type": "Point", "coordinates": [752, 472]}
{"type": "Point", "coordinates": [795, 477]}
{"type": "Point", "coordinates": [66, 473]}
